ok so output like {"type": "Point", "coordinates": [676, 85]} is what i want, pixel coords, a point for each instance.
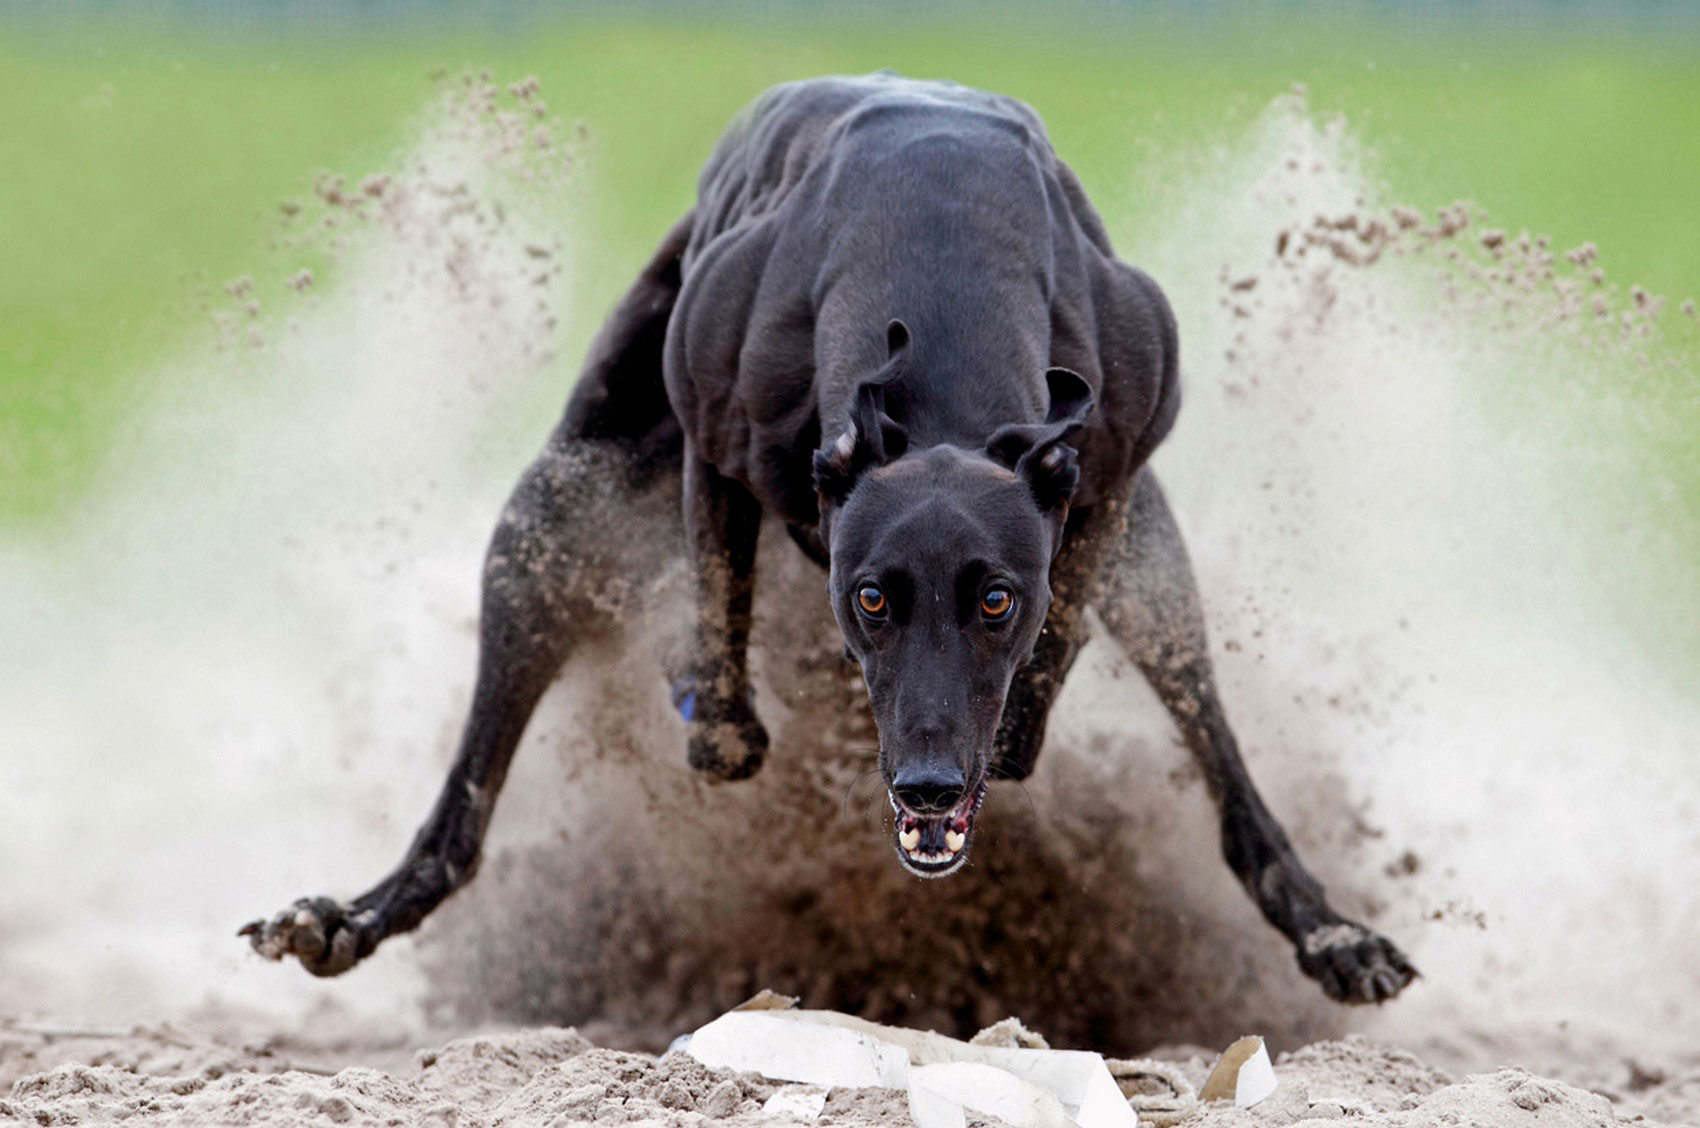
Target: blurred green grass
{"type": "Point", "coordinates": [147, 160]}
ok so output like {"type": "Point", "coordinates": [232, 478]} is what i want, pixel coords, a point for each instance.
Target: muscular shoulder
{"type": "Point", "coordinates": [1121, 335]}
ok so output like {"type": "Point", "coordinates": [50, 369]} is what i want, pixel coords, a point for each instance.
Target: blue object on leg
{"type": "Point", "coordinates": [685, 698]}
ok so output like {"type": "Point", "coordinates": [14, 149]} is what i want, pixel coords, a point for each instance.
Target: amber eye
{"type": "Point", "coordinates": [871, 599]}
{"type": "Point", "coordinates": [997, 603]}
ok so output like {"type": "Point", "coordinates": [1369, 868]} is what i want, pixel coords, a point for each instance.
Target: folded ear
{"type": "Point", "coordinates": [1038, 451]}
{"type": "Point", "coordinates": [873, 437]}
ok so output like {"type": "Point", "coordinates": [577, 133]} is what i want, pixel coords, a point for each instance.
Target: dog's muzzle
{"type": "Point", "coordinates": [936, 844]}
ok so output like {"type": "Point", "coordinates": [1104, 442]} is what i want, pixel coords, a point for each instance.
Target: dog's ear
{"type": "Point", "coordinates": [1039, 452]}
{"type": "Point", "coordinates": [873, 437]}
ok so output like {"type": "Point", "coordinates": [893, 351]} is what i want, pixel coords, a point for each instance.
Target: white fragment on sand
{"type": "Point", "coordinates": [803, 1102]}
{"type": "Point", "coordinates": [943, 1076]}
{"type": "Point", "coordinates": [941, 1095]}
{"type": "Point", "coordinates": [1243, 1075]}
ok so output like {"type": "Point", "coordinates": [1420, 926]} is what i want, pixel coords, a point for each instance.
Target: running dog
{"type": "Point", "coordinates": [894, 322]}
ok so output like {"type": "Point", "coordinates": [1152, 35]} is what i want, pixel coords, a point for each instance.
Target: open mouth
{"type": "Point", "coordinates": [936, 844]}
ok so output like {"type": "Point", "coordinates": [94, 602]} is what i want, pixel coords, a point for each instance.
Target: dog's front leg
{"type": "Point", "coordinates": [1149, 601]}
{"type": "Point", "coordinates": [1074, 580]}
{"type": "Point", "coordinates": [711, 687]}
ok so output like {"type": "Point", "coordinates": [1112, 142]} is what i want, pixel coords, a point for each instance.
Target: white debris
{"type": "Point", "coordinates": [1024, 1086]}
{"type": "Point", "coordinates": [829, 1049]}
{"type": "Point", "coordinates": [1242, 1073]}
{"type": "Point", "coordinates": [940, 1094]}
{"type": "Point", "coordinates": [800, 1102]}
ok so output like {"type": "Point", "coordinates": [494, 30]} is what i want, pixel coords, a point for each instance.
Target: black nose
{"type": "Point", "coordinates": [929, 788]}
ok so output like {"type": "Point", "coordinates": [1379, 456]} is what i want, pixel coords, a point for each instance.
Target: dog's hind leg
{"type": "Point", "coordinates": [552, 576]}
{"type": "Point", "coordinates": [549, 580]}
{"type": "Point", "coordinates": [1149, 601]}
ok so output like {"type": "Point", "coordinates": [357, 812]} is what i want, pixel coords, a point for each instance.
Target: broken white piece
{"type": "Point", "coordinates": [979, 1088]}
{"type": "Point", "coordinates": [1242, 1073]}
{"type": "Point", "coordinates": [929, 1108]}
{"type": "Point", "coordinates": [830, 1049]}
{"type": "Point", "coordinates": [774, 1044]}
{"type": "Point", "coordinates": [802, 1102]}
{"type": "Point", "coordinates": [1079, 1079]}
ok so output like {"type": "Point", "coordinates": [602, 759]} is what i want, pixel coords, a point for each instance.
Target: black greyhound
{"type": "Point", "coordinates": [894, 321]}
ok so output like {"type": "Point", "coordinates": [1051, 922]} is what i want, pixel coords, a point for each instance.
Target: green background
{"type": "Point", "coordinates": [145, 154]}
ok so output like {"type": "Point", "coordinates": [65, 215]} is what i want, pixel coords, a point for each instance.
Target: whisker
{"type": "Point", "coordinates": [850, 789]}
{"type": "Point", "coordinates": [1021, 784]}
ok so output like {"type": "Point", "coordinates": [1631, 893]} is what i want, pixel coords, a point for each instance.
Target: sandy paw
{"type": "Point", "coordinates": [729, 749]}
{"type": "Point", "coordinates": [1353, 964]}
{"type": "Point", "coordinates": [323, 934]}
{"type": "Point", "coordinates": [725, 738]}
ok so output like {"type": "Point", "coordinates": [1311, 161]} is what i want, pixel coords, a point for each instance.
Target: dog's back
{"type": "Point", "coordinates": [834, 205]}
{"type": "Point", "coordinates": [843, 126]}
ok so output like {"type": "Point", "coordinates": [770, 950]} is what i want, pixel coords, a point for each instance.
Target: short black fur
{"type": "Point", "coordinates": [894, 322]}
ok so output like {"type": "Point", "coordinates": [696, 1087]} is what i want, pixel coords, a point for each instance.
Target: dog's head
{"type": "Point", "coordinates": [940, 581]}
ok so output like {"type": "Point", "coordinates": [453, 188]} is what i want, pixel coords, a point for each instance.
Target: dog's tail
{"type": "Point", "coordinates": [620, 394]}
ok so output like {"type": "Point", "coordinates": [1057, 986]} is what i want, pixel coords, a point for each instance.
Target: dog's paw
{"type": "Point", "coordinates": [325, 935]}
{"type": "Point", "coordinates": [728, 751]}
{"type": "Point", "coordinates": [1353, 964]}
{"type": "Point", "coordinates": [724, 737]}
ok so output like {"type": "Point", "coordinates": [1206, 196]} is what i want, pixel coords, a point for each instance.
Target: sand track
{"type": "Point", "coordinates": [554, 1076]}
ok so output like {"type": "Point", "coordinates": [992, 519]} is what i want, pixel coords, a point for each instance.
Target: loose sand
{"type": "Point", "coordinates": [190, 1075]}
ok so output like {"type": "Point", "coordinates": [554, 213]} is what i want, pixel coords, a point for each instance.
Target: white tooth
{"type": "Point", "coordinates": [910, 838]}
{"type": "Point", "coordinates": [954, 841]}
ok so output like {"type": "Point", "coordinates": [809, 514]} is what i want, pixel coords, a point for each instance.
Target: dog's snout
{"type": "Point", "coordinates": [929, 788]}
